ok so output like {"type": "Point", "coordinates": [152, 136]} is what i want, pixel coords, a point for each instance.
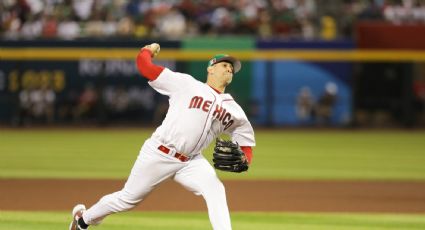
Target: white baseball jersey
{"type": "Point", "coordinates": [198, 114]}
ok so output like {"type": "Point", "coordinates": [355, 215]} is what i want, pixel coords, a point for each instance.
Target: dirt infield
{"type": "Point", "coordinates": [305, 196]}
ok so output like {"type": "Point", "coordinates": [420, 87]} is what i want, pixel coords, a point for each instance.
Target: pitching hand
{"type": "Point", "coordinates": [154, 48]}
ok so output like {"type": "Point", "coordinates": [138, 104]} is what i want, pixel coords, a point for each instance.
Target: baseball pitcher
{"type": "Point", "coordinates": [198, 113]}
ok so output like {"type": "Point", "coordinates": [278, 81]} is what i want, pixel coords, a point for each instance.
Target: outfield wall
{"type": "Point", "coordinates": [274, 76]}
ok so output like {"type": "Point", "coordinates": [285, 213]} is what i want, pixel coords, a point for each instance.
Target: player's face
{"type": "Point", "coordinates": [224, 70]}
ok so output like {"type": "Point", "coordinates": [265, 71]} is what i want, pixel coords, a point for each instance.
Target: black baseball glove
{"type": "Point", "coordinates": [229, 157]}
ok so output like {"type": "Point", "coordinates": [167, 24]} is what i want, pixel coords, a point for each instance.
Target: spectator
{"type": "Point", "coordinates": [11, 23]}
{"type": "Point", "coordinates": [141, 98]}
{"type": "Point", "coordinates": [264, 29]}
{"type": "Point", "coordinates": [172, 24]}
{"type": "Point", "coordinates": [305, 105]}
{"type": "Point", "coordinates": [86, 104]}
{"type": "Point", "coordinates": [328, 29]}
{"type": "Point", "coordinates": [42, 102]}
{"type": "Point", "coordinates": [223, 21]}
{"type": "Point", "coordinates": [24, 109]}
{"type": "Point", "coordinates": [68, 106]}
{"type": "Point", "coordinates": [110, 26]}
{"type": "Point", "coordinates": [83, 8]}
{"type": "Point", "coordinates": [125, 27]}
{"type": "Point", "coordinates": [50, 26]}
{"type": "Point", "coordinates": [94, 27]}
{"type": "Point", "coordinates": [121, 101]}
{"type": "Point", "coordinates": [68, 29]}
{"type": "Point", "coordinates": [326, 103]}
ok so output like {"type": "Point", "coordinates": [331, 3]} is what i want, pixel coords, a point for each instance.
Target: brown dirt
{"type": "Point", "coordinates": [278, 195]}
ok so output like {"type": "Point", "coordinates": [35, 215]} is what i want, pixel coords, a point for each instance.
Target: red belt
{"type": "Point", "coordinates": [179, 156]}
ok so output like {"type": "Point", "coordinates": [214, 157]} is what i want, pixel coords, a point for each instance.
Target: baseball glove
{"type": "Point", "coordinates": [229, 157]}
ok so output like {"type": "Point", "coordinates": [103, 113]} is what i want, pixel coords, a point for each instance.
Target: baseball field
{"type": "Point", "coordinates": [299, 179]}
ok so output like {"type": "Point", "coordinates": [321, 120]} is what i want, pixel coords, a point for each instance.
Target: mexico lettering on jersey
{"type": "Point", "coordinates": [197, 114]}
{"type": "Point", "coordinates": [220, 113]}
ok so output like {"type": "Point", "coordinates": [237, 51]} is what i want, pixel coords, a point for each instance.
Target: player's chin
{"type": "Point", "coordinates": [229, 78]}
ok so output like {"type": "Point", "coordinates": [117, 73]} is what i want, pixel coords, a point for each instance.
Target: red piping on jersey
{"type": "Point", "coordinates": [215, 89]}
{"type": "Point", "coordinates": [248, 153]}
{"type": "Point", "coordinates": [205, 124]}
{"type": "Point", "coordinates": [145, 66]}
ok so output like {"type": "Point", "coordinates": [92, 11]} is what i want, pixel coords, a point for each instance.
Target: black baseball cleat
{"type": "Point", "coordinates": [77, 213]}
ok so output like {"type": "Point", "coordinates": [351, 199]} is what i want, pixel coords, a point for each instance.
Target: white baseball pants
{"type": "Point", "coordinates": [153, 167]}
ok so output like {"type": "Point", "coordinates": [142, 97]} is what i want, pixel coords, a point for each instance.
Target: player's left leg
{"type": "Point", "coordinates": [151, 168]}
{"type": "Point", "coordinates": [200, 178]}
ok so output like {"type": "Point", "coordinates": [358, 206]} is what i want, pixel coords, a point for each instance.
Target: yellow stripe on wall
{"type": "Point", "coordinates": [191, 55]}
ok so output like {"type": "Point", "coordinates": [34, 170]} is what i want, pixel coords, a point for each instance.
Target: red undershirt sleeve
{"type": "Point", "coordinates": [145, 66]}
{"type": "Point", "coordinates": [248, 153]}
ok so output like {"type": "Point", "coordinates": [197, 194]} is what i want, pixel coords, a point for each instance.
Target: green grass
{"type": "Point", "coordinates": [110, 153]}
{"type": "Point", "coordinates": [199, 221]}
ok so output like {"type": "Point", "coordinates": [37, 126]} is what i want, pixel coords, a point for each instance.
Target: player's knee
{"type": "Point", "coordinates": [221, 188]}
{"type": "Point", "coordinates": [215, 194]}
{"type": "Point", "coordinates": [216, 186]}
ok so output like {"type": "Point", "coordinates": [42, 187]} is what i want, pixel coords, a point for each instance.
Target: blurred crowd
{"type": "Point", "coordinates": [175, 19]}
{"type": "Point", "coordinates": [91, 104]}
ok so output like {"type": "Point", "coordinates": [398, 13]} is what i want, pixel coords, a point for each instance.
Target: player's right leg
{"type": "Point", "coordinates": [200, 178]}
{"type": "Point", "coordinates": [149, 170]}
